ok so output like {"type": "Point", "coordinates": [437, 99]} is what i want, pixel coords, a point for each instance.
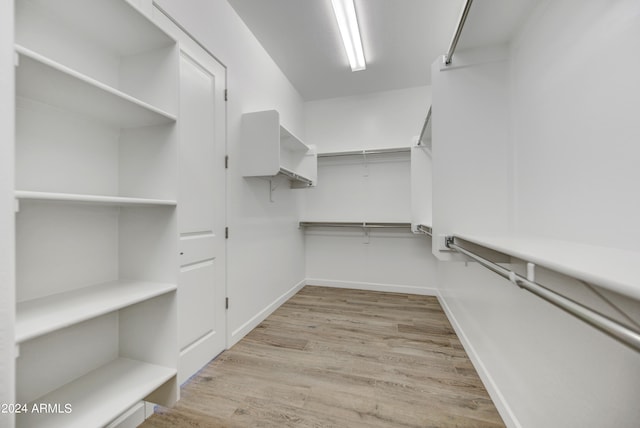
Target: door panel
{"type": "Point", "coordinates": [194, 304]}
{"type": "Point", "coordinates": [201, 203]}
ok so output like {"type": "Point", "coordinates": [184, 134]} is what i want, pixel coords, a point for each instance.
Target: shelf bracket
{"type": "Point", "coordinates": [531, 272]}
{"type": "Point", "coordinates": [272, 188]}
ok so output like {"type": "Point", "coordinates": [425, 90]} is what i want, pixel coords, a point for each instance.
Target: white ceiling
{"type": "Point", "coordinates": [401, 40]}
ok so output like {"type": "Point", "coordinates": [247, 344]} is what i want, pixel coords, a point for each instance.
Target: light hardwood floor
{"type": "Point", "coordinates": [340, 358]}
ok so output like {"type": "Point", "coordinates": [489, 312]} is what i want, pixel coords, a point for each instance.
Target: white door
{"type": "Point", "coordinates": [201, 205]}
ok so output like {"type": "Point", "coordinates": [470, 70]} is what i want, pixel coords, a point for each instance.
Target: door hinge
{"type": "Point", "coordinates": [226, 303]}
{"type": "Point", "coordinates": [226, 162]}
{"type": "Point", "coordinates": [226, 233]}
{"type": "Point", "coordinates": [226, 95]}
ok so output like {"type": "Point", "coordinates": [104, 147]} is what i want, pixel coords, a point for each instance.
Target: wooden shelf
{"type": "Point", "coordinates": [92, 199]}
{"type": "Point", "coordinates": [41, 316]}
{"type": "Point", "coordinates": [99, 396]}
{"type": "Point", "coordinates": [39, 78]}
{"type": "Point", "coordinates": [609, 268]}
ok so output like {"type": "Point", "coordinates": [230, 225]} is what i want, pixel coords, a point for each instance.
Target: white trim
{"type": "Point", "coordinates": [372, 286]}
{"type": "Point", "coordinates": [508, 417]}
{"type": "Point", "coordinates": [244, 329]}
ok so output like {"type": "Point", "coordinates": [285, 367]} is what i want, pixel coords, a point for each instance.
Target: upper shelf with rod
{"type": "Point", "coordinates": [365, 152]}
{"type": "Point", "coordinates": [478, 27]}
{"type": "Point", "coordinates": [269, 149]}
{"type": "Point", "coordinates": [362, 225]}
{"type": "Point", "coordinates": [609, 268]}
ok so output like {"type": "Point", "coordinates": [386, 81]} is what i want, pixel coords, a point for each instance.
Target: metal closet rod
{"type": "Point", "coordinates": [425, 229]}
{"type": "Point", "coordinates": [424, 127]}
{"type": "Point", "coordinates": [456, 37]}
{"type": "Point", "coordinates": [603, 323]}
{"type": "Point", "coordinates": [294, 176]}
{"type": "Point", "coordinates": [365, 152]}
{"type": "Point", "coordinates": [364, 225]}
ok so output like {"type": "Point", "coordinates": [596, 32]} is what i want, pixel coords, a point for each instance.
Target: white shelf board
{"type": "Point", "coordinates": [290, 142]}
{"type": "Point", "coordinates": [100, 396]}
{"type": "Point", "coordinates": [115, 25]}
{"type": "Point", "coordinates": [92, 199]}
{"type": "Point", "coordinates": [611, 268]}
{"type": "Point", "coordinates": [41, 316]}
{"type": "Point", "coordinates": [42, 79]}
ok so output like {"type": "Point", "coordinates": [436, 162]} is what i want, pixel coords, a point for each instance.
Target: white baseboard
{"type": "Point", "coordinates": [498, 399]}
{"type": "Point", "coordinates": [244, 329]}
{"type": "Point", "coordinates": [372, 286]}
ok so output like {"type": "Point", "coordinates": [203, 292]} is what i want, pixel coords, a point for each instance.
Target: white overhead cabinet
{"type": "Point", "coordinates": [96, 229]}
{"type": "Point", "coordinates": [269, 149]}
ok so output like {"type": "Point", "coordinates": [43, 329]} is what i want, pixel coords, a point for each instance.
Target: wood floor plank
{"type": "Point", "coordinates": [340, 358]}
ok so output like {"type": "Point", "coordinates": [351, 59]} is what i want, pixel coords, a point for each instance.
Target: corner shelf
{"type": "Point", "coordinates": [269, 149]}
{"type": "Point", "coordinates": [42, 79]}
{"type": "Point", "coordinates": [92, 199]}
{"type": "Point", "coordinates": [100, 395]}
{"type": "Point", "coordinates": [610, 268]}
{"type": "Point", "coordinates": [45, 315]}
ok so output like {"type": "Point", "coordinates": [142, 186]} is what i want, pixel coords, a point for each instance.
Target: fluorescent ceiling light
{"type": "Point", "coordinates": [345, 12]}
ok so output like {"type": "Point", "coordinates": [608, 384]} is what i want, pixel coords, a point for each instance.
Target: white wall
{"type": "Point", "coordinates": [374, 188]}
{"type": "Point", "coordinates": [265, 251]}
{"type": "Point", "coordinates": [576, 95]}
{"type": "Point", "coordinates": [565, 170]}
{"type": "Point", "coordinates": [7, 215]}
{"type": "Point", "coordinates": [375, 120]}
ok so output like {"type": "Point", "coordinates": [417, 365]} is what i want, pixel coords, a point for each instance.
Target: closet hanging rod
{"type": "Point", "coordinates": [365, 152]}
{"type": "Point", "coordinates": [364, 225]}
{"type": "Point", "coordinates": [425, 126]}
{"type": "Point", "coordinates": [456, 36]}
{"type": "Point", "coordinates": [603, 323]}
{"type": "Point", "coordinates": [427, 230]}
{"type": "Point", "coordinates": [294, 176]}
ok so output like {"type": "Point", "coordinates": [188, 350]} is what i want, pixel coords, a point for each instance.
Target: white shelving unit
{"type": "Point", "coordinates": [96, 229]}
{"type": "Point", "coordinates": [269, 149]}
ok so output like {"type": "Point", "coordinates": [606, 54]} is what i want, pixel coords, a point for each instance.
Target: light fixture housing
{"type": "Point", "coordinates": [345, 12]}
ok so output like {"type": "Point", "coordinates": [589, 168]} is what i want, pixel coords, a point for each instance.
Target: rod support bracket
{"type": "Point", "coordinates": [448, 240]}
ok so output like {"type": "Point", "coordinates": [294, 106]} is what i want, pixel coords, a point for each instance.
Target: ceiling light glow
{"type": "Point", "coordinates": [345, 12]}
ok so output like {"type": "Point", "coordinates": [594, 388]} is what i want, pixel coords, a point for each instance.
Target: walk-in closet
{"type": "Point", "coordinates": [340, 213]}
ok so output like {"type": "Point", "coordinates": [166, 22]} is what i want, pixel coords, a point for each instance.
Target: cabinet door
{"type": "Point", "coordinates": [201, 203]}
